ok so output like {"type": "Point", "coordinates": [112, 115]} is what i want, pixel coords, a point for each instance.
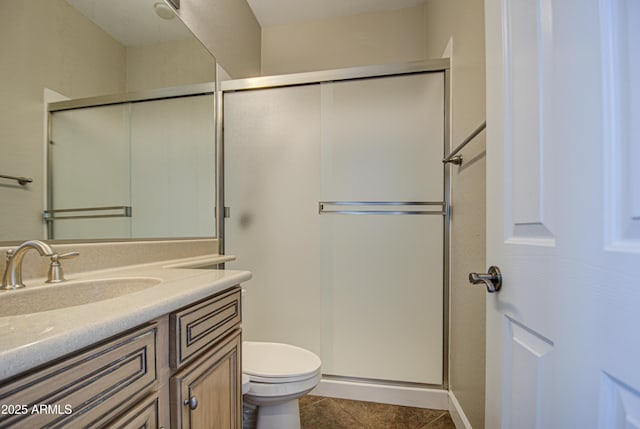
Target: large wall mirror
{"type": "Point", "coordinates": [130, 122]}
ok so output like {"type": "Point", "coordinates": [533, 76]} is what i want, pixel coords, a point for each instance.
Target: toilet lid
{"type": "Point", "coordinates": [278, 362]}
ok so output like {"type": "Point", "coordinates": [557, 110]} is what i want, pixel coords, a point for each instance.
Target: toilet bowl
{"type": "Point", "coordinates": [278, 375]}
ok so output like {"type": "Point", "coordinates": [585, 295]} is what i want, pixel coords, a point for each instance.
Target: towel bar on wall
{"type": "Point", "coordinates": [50, 215]}
{"type": "Point", "coordinates": [453, 157]}
{"type": "Point", "coordinates": [21, 180]}
{"type": "Point", "coordinates": [385, 207]}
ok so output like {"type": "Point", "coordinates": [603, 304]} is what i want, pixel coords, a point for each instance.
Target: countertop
{"type": "Point", "coordinates": [30, 340]}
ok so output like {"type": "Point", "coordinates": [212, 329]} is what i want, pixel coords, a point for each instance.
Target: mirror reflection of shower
{"type": "Point", "coordinates": [79, 49]}
{"type": "Point", "coordinates": [133, 169]}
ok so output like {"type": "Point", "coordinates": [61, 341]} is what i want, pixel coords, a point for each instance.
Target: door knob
{"type": "Point", "coordinates": [492, 280]}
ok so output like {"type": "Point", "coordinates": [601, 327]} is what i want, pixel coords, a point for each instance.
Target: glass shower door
{"type": "Point", "coordinates": [89, 157]}
{"type": "Point", "coordinates": [272, 185]}
{"type": "Point", "coordinates": [173, 167]}
{"type": "Point", "coordinates": [382, 262]}
{"type": "Point", "coordinates": [364, 292]}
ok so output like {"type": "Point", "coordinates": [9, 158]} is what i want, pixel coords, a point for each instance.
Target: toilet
{"type": "Point", "coordinates": [275, 375]}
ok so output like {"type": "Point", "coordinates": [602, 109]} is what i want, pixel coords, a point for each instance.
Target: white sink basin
{"type": "Point", "coordinates": [70, 294]}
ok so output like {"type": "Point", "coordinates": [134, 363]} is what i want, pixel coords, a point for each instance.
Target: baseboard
{"type": "Point", "coordinates": [387, 394]}
{"type": "Point", "coordinates": [457, 413]}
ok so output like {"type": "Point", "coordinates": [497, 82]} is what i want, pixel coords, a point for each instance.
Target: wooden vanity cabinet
{"type": "Point", "coordinates": [182, 370]}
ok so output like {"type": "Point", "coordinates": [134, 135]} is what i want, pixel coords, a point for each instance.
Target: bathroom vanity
{"type": "Point", "coordinates": [168, 355]}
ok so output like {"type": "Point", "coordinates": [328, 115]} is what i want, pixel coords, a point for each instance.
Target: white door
{"type": "Point", "coordinates": [563, 220]}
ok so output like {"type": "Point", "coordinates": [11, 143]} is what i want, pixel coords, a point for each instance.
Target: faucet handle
{"type": "Point", "coordinates": [65, 255]}
{"type": "Point", "coordinates": [56, 275]}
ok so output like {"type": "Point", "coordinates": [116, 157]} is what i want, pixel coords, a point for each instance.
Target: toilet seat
{"type": "Point", "coordinates": [276, 363]}
{"type": "Point", "coordinates": [245, 383]}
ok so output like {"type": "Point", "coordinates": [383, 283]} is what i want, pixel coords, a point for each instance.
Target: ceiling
{"type": "Point", "coordinates": [278, 12]}
{"type": "Point", "coordinates": [134, 22]}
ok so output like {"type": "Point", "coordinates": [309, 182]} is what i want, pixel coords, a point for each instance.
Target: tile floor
{"type": "Point", "coordinates": [317, 412]}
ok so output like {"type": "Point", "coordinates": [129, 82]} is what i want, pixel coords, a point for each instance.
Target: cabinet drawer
{"type": "Point", "coordinates": [81, 389]}
{"type": "Point", "coordinates": [144, 415]}
{"type": "Point", "coordinates": [196, 327]}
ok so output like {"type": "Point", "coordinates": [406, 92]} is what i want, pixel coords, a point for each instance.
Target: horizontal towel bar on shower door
{"type": "Point", "coordinates": [125, 211]}
{"type": "Point", "coordinates": [381, 207]}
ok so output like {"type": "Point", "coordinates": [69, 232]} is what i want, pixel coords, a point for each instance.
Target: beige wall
{"type": "Point", "coordinates": [167, 64]}
{"type": "Point", "coordinates": [463, 22]}
{"type": "Point", "coordinates": [44, 44]}
{"type": "Point", "coordinates": [229, 30]}
{"type": "Point", "coordinates": [329, 43]}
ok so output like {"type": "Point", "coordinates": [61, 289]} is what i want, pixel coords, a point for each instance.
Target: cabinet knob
{"type": "Point", "coordinates": [192, 402]}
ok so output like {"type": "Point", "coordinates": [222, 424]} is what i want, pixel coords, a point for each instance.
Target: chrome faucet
{"type": "Point", "coordinates": [12, 278]}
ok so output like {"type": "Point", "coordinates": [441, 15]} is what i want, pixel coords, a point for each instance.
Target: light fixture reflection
{"type": "Point", "coordinates": [163, 11]}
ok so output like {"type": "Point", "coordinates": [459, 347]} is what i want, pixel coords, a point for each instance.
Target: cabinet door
{"type": "Point", "coordinates": [206, 394]}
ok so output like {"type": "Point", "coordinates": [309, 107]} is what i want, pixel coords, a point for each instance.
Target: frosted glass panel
{"type": "Point", "coordinates": [90, 168]}
{"type": "Point", "coordinates": [382, 139]}
{"type": "Point", "coordinates": [173, 167]}
{"type": "Point", "coordinates": [382, 297]}
{"type": "Point", "coordinates": [272, 185]}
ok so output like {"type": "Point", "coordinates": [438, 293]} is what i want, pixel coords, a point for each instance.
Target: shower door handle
{"type": "Point", "coordinates": [492, 280]}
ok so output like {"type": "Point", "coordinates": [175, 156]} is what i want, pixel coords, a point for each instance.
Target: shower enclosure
{"type": "Point", "coordinates": [133, 166]}
{"type": "Point", "coordinates": [338, 204]}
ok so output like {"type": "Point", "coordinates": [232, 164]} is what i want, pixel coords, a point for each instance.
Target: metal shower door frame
{"type": "Point", "coordinates": [441, 65]}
